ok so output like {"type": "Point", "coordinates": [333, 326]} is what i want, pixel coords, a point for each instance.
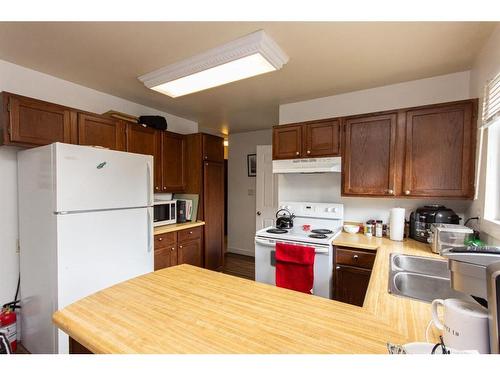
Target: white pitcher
{"type": "Point", "coordinates": [465, 325]}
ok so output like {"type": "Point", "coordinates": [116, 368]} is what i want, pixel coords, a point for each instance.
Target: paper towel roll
{"type": "Point", "coordinates": [397, 224]}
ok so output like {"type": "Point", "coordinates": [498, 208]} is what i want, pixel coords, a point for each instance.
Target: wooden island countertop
{"type": "Point", "coordinates": [185, 309]}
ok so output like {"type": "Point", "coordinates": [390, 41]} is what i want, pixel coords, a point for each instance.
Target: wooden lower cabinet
{"type": "Point", "coordinates": [190, 253]}
{"type": "Point", "coordinates": [76, 348]}
{"type": "Point", "coordinates": [353, 268]}
{"type": "Point", "coordinates": [165, 257]}
{"type": "Point", "coordinates": [181, 247]}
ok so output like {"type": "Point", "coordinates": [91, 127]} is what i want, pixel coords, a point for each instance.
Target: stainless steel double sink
{"type": "Point", "coordinates": [420, 278]}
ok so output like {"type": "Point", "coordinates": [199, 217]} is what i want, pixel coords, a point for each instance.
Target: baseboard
{"type": "Point", "coordinates": [234, 250]}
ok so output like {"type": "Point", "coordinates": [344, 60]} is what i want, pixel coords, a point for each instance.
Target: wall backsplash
{"type": "Point", "coordinates": [325, 187]}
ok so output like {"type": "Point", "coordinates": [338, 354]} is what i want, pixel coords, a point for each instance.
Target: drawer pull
{"type": "Point", "coordinates": [172, 249]}
{"type": "Point", "coordinates": [160, 239]}
{"type": "Point", "coordinates": [337, 268]}
{"type": "Point", "coordinates": [190, 232]}
{"type": "Point", "coordinates": [180, 246]}
{"type": "Point", "coordinates": [356, 257]}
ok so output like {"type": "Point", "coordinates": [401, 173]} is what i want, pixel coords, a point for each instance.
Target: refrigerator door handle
{"type": "Point", "coordinates": [150, 230]}
{"type": "Point", "coordinates": [149, 178]}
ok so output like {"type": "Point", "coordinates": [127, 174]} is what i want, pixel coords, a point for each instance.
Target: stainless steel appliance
{"type": "Point", "coordinates": [449, 235]}
{"type": "Point", "coordinates": [475, 270]}
{"type": "Point", "coordinates": [493, 289]}
{"type": "Point", "coordinates": [315, 225]}
{"type": "Point", "coordinates": [165, 212]}
{"type": "Point", "coordinates": [423, 217]}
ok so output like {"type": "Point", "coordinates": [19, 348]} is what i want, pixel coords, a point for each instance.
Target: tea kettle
{"type": "Point", "coordinates": [285, 220]}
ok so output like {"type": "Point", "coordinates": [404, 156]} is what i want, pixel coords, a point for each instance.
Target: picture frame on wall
{"type": "Point", "coordinates": [252, 165]}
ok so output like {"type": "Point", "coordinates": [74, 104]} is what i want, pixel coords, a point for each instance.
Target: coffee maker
{"type": "Point", "coordinates": [475, 270]}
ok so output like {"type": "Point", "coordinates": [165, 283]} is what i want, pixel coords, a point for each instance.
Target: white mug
{"type": "Point", "coordinates": [465, 325]}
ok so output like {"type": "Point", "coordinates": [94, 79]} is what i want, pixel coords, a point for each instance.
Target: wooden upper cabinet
{"type": "Point", "coordinates": [95, 130]}
{"type": "Point", "coordinates": [368, 165]}
{"type": "Point", "coordinates": [213, 148]}
{"type": "Point", "coordinates": [440, 151]}
{"type": "Point", "coordinates": [321, 139]}
{"type": "Point", "coordinates": [173, 160]}
{"type": "Point", "coordinates": [33, 122]}
{"type": "Point", "coordinates": [287, 142]}
{"type": "Point", "coordinates": [146, 141]}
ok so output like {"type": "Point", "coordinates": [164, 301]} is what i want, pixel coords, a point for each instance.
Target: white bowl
{"type": "Point", "coordinates": [351, 228]}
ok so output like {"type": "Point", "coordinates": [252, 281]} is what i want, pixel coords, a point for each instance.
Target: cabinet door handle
{"type": "Point", "coordinates": [308, 152]}
{"type": "Point", "coordinates": [157, 188]}
{"type": "Point", "coordinates": [180, 246]}
{"type": "Point", "coordinates": [337, 268]}
{"type": "Point", "coordinates": [390, 191]}
{"type": "Point", "coordinates": [355, 257]}
{"type": "Point", "coordinates": [297, 153]}
{"type": "Point", "coordinates": [160, 239]}
{"type": "Point", "coordinates": [172, 249]}
{"type": "Point", "coordinates": [190, 232]}
{"type": "Point", "coordinates": [259, 213]}
{"type": "Point", "coordinates": [407, 192]}
{"type": "Point", "coordinates": [206, 157]}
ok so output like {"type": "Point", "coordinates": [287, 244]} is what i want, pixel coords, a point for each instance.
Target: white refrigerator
{"type": "Point", "coordinates": [85, 223]}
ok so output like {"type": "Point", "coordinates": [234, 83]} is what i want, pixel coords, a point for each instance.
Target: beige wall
{"type": "Point", "coordinates": [486, 66]}
{"type": "Point", "coordinates": [326, 187]}
{"type": "Point", "coordinates": [20, 80]}
{"type": "Point", "coordinates": [432, 90]}
{"type": "Point", "coordinates": [241, 190]}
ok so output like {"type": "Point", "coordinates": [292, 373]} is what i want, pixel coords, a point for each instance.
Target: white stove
{"type": "Point", "coordinates": [315, 225]}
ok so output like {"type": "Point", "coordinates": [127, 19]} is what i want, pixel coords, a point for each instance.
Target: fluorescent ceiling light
{"type": "Point", "coordinates": [242, 58]}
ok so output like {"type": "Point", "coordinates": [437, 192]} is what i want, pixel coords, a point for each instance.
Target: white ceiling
{"type": "Point", "coordinates": [326, 58]}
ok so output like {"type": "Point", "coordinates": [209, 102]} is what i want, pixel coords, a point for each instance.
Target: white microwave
{"type": "Point", "coordinates": [165, 212]}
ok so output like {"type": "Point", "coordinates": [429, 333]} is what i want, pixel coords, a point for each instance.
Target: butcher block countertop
{"type": "Point", "coordinates": [185, 309]}
{"type": "Point", "coordinates": [175, 227]}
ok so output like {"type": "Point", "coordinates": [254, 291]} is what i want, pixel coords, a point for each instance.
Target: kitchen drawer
{"type": "Point", "coordinates": [165, 240]}
{"type": "Point", "coordinates": [190, 234]}
{"type": "Point", "coordinates": [357, 258]}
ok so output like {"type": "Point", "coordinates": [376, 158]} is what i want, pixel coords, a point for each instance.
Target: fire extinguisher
{"type": "Point", "coordinates": [8, 326]}
{"type": "Point", "coordinates": [8, 323]}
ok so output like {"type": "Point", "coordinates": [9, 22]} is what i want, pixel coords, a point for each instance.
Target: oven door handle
{"type": "Point", "coordinates": [271, 243]}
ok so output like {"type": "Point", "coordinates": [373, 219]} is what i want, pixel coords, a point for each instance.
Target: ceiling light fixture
{"type": "Point", "coordinates": [242, 58]}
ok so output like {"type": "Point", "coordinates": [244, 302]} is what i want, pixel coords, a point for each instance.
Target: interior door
{"type": "Point", "coordinates": [95, 179]}
{"type": "Point", "coordinates": [266, 197]}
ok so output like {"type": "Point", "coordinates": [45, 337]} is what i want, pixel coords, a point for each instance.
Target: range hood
{"type": "Point", "coordinates": [310, 165]}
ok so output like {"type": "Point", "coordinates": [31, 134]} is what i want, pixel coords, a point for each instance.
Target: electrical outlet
{"type": "Point", "coordinates": [18, 246]}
